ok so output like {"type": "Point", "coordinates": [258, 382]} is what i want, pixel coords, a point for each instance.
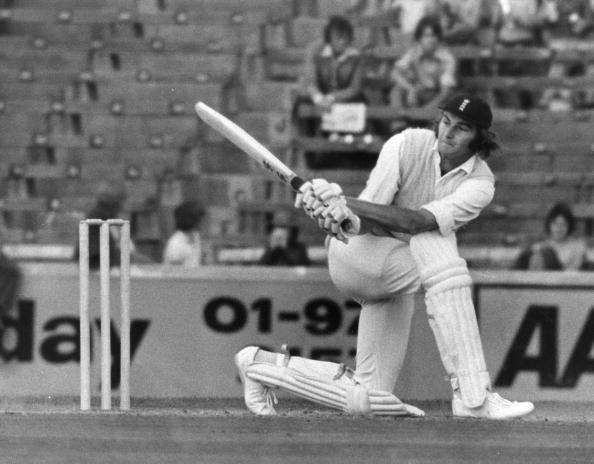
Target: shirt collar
{"type": "Point", "coordinates": [467, 166]}
{"type": "Point", "coordinates": [327, 53]}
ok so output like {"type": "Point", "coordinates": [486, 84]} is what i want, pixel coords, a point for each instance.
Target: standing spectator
{"type": "Point", "coordinates": [10, 280]}
{"type": "Point", "coordinates": [186, 247]}
{"type": "Point", "coordinates": [426, 74]}
{"type": "Point", "coordinates": [559, 250]}
{"type": "Point", "coordinates": [332, 70]}
{"type": "Point", "coordinates": [284, 247]}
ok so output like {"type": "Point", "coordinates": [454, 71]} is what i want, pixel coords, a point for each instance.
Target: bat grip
{"type": "Point", "coordinates": [297, 182]}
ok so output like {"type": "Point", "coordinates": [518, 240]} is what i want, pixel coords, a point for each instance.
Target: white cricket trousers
{"type": "Point", "coordinates": [379, 273]}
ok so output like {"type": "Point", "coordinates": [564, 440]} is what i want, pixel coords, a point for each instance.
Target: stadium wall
{"type": "Point", "coordinates": [538, 331]}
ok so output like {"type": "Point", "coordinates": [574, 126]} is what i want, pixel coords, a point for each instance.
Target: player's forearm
{"type": "Point", "coordinates": [393, 217]}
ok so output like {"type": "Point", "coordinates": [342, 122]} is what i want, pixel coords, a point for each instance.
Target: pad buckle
{"type": "Point", "coordinates": [286, 355]}
{"type": "Point", "coordinates": [344, 370]}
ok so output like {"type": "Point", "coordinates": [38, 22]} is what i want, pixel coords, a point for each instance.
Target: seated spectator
{"type": "Point", "coordinates": [460, 20]}
{"type": "Point", "coordinates": [574, 19]}
{"type": "Point", "coordinates": [558, 99]}
{"type": "Point", "coordinates": [523, 22]}
{"type": "Point", "coordinates": [332, 70]}
{"type": "Point", "coordinates": [426, 74]}
{"type": "Point", "coordinates": [560, 250]}
{"type": "Point", "coordinates": [109, 204]}
{"type": "Point", "coordinates": [584, 97]}
{"type": "Point", "coordinates": [284, 247]}
{"type": "Point", "coordinates": [185, 247]}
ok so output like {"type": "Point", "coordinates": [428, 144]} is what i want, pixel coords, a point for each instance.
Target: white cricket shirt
{"type": "Point", "coordinates": [407, 174]}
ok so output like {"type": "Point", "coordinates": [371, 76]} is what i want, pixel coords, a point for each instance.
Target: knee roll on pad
{"type": "Point", "coordinates": [452, 317]}
{"type": "Point", "coordinates": [314, 381]}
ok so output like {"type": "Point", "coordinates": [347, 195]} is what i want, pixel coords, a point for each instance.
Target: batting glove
{"type": "Point", "coordinates": [324, 190]}
{"type": "Point", "coordinates": [304, 192]}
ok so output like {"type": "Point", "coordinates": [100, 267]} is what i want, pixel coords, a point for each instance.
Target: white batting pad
{"type": "Point", "coordinates": [329, 384]}
{"type": "Point", "coordinates": [451, 314]}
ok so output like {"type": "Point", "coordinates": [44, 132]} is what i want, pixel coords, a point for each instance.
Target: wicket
{"type": "Point", "coordinates": [85, 335]}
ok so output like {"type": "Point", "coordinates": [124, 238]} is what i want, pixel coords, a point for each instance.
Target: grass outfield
{"type": "Point", "coordinates": [52, 430]}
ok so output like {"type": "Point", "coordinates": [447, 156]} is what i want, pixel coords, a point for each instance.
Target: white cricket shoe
{"type": "Point", "coordinates": [258, 398]}
{"type": "Point", "coordinates": [494, 407]}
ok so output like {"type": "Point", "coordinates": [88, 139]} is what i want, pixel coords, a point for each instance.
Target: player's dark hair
{"type": "Point", "coordinates": [483, 143]}
{"type": "Point", "coordinates": [563, 210]}
{"type": "Point", "coordinates": [340, 25]}
{"type": "Point", "coordinates": [425, 22]}
{"type": "Point", "coordinates": [187, 215]}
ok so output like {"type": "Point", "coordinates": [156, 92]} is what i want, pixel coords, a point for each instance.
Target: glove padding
{"type": "Point", "coordinates": [322, 195]}
{"type": "Point", "coordinates": [315, 196]}
{"type": "Point", "coordinates": [305, 191]}
{"type": "Point", "coordinates": [324, 190]}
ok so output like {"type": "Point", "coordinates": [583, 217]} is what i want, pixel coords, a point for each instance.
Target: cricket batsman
{"type": "Point", "coordinates": [425, 185]}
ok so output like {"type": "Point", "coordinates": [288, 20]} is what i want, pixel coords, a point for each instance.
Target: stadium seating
{"type": "Point", "coordinates": [93, 90]}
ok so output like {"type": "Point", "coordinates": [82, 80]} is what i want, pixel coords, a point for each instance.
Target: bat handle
{"type": "Point", "coordinates": [297, 182]}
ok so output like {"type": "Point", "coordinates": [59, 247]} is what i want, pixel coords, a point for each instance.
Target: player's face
{"type": "Point", "coordinates": [558, 228]}
{"type": "Point", "coordinates": [454, 138]}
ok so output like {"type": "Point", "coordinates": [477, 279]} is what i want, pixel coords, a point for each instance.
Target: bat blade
{"type": "Point", "coordinates": [252, 147]}
{"type": "Point", "coordinates": [248, 144]}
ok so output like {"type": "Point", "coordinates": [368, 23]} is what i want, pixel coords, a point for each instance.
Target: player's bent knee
{"type": "Point", "coordinates": [357, 400]}
{"type": "Point", "coordinates": [445, 276]}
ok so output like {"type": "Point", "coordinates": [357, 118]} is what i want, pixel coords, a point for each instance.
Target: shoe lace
{"type": "Point", "coordinates": [500, 399]}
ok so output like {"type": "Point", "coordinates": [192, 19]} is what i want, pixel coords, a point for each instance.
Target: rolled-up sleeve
{"type": "Point", "coordinates": [462, 205]}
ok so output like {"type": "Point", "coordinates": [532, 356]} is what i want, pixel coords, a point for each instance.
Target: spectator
{"type": "Point", "coordinates": [110, 200]}
{"type": "Point", "coordinates": [186, 247]}
{"type": "Point", "coordinates": [523, 22]}
{"type": "Point", "coordinates": [460, 20]}
{"type": "Point", "coordinates": [426, 74]}
{"type": "Point", "coordinates": [10, 280]}
{"type": "Point", "coordinates": [284, 247]}
{"type": "Point", "coordinates": [332, 70]}
{"type": "Point", "coordinates": [10, 277]}
{"type": "Point", "coordinates": [573, 19]}
{"type": "Point", "coordinates": [560, 250]}
{"type": "Point", "coordinates": [560, 98]}
{"type": "Point", "coordinates": [411, 12]}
